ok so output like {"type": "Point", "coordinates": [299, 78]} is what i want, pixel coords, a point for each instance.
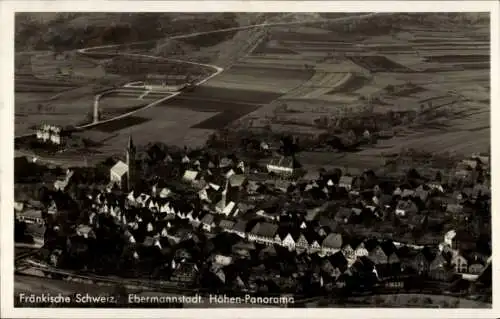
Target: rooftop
{"type": "Point", "coordinates": [119, 169]}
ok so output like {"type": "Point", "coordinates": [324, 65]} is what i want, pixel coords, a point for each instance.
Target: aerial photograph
{"type": "Point", "coordinates": [252, 159]}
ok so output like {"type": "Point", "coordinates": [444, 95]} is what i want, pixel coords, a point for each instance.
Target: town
{"type": "Point", "coordinates": [333, 159]}
{"type": "Point", "coordinates": [199, 220]}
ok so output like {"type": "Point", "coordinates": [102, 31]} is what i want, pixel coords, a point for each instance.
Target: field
{"type": "Point", "coordinates": [447, 70]}
{"type": "Point", "coordinates": [50, 104]}
{"type": "Point", "coordinates": [286, 78]}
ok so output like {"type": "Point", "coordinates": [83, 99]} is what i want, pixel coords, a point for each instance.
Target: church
{"type": "Point", "coordinates": [122, 174]}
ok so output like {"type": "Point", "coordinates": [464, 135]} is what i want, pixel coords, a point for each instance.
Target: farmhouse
{"type": "Point", "coordinates": [285, 166]}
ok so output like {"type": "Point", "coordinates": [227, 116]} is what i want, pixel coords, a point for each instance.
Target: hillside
{"type": "Point", "coordinates": [64, 31]}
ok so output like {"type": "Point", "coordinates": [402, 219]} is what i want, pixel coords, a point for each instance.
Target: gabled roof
{"type": "Point", "coordinates": [343, 212]}
{"type": "Point", "coordinates": [119, 169]}
{"type": "Point", "coordinates": [240, 226]}
{"type": "Point", "coordinates": [338, 260]}
{"type": "Point", "coordinates": [333, 240]}
{"type": "Point", "coordinates": [237, 180]}
{"type": "Point", "coordinates": [406, 205]}
{"type": "Point", "coordinates": [265, 229]}
{"type": "Point", "coordinates": [346, 180]}
{"type": "Point", "coordinates": [207, 219]}
{"type": "Point", "coordinates": [285, 161]}
{"type": "Point", "coordinates": [408, 193]}
{"type": "Point", "coordinates": [388, 247]}
{"type": "Point", "coordinates": [225, 223]}
{"type": "Point", "coordinates": [226, 162]}
{"type": "Point", "coordinates": [190, 175]}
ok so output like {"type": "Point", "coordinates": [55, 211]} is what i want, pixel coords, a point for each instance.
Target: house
{"type": "Point", "coordinates": [268, 251]}
{"type": "Point", "coordinates": [242, 249]}
{"type": "Point", "coordinates": [18, 206]}
{"type": "Point", "coordinates": [460, 263]}
{"type": "Point", "coordinates": [290, 239]}
{"type": "Point", "coordinates": [313, 214]}
{"type": "Point", "coordinates": [378, 256]}
{"type": "Point", "coordinates": [286, 166]}
{"type": "Point", "coordinates": [361, 250]}
{"type": "Point", "coordinates": [394, 260]}
{"type": "Point", "coordinates": [231, 209]}
{"type": "Point", "coordinates": [484, 159]}
{"type": "Point", "coordinates": [438, 268]}
{"type": "Point", "coordinates": [226, 225]}
{"type": "Point", "coordinates": [389, 248]}
{"type": "Point", "coordinates": [343, 215]}
{"type": "Point", "coordinates": [263, 232]}
{"type": "Point", "coordinates": [407, 193]}
{"type": "Point", "coordinates": [118, 174]}
{"type": "Point", "coordinates": [454, 208]}
{"type": "Point", "coordinates": [240, 228]}
{"type": "Point", "coordinates": [332, 243]}
{"type": "Point", "coordinates": [62, 184]}
{"type": "Point", "coordinates": [190, 176]}
{"type": "Point", "coordinates": [273, 215]}
{"type": "Point", "coordinates": [30, 216]}
{"type": "Point", "coordinates": [436, 186]}
{"type": "Point", "coordinates": [349, 254]}
{"type": "Point", "coordinates": [476, 268]}
{"type": "Point", "coordinates": [422, 194]}
{"type": "Point", "coordinates": [185, 273]}
{"type": "Point", "coordinates": [207, 222]}
{"type": "Point", "coordinates": [85, 231]}
{"type": "Point", "coordinates": [405, 208]}
{"type": "Point", "coordinates": [238, 181]}
{"type": "Point", "coordinates": [302, 242]}
{"type": "Point", "coordinates": [346, 182]}
{"type": "Point", "coordinates": [469, 163]}
{"type": "Point", "coordinates": [222, 260]}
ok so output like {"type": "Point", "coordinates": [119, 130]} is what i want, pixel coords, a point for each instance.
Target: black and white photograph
{"type": "Point", "coordinates": [234, 159]}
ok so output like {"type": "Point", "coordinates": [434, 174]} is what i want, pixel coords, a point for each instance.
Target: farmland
{"type": "Point", "coordinates": [412, 69]}
{"type": "Point", "coordinates": [286, 79]}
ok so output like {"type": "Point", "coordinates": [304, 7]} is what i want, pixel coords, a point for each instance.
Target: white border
{"type": "Point", "coordinates": [7, 8]}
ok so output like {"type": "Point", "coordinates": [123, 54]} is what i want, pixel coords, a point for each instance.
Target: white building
{"type": "Point", "coordinates": [118, 174]}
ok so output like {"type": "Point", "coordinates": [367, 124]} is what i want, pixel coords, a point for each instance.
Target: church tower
{"type": "Point", "coordinates": [130, 157]}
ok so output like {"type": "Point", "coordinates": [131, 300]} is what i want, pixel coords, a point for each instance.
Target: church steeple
{"type": "Point", "coordinates": [130, 157]}
{"type": "Point", "coordinates": [130, 145]}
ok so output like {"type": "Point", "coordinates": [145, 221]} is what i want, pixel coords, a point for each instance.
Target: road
{"type": "Point", "coordinates": [217, 69]}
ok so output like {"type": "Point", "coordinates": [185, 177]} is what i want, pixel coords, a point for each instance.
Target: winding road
{"type": "Point", "coordinates": [217, 69]}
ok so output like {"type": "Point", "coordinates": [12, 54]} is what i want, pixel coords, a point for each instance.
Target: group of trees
{"type": "Point", "coordinates": [60, 33]}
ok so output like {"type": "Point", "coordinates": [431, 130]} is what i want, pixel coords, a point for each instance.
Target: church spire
{"type": "Point", "coordinates": [130, 145]}
{"type": "Point", "coordinates": [130, 158]}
